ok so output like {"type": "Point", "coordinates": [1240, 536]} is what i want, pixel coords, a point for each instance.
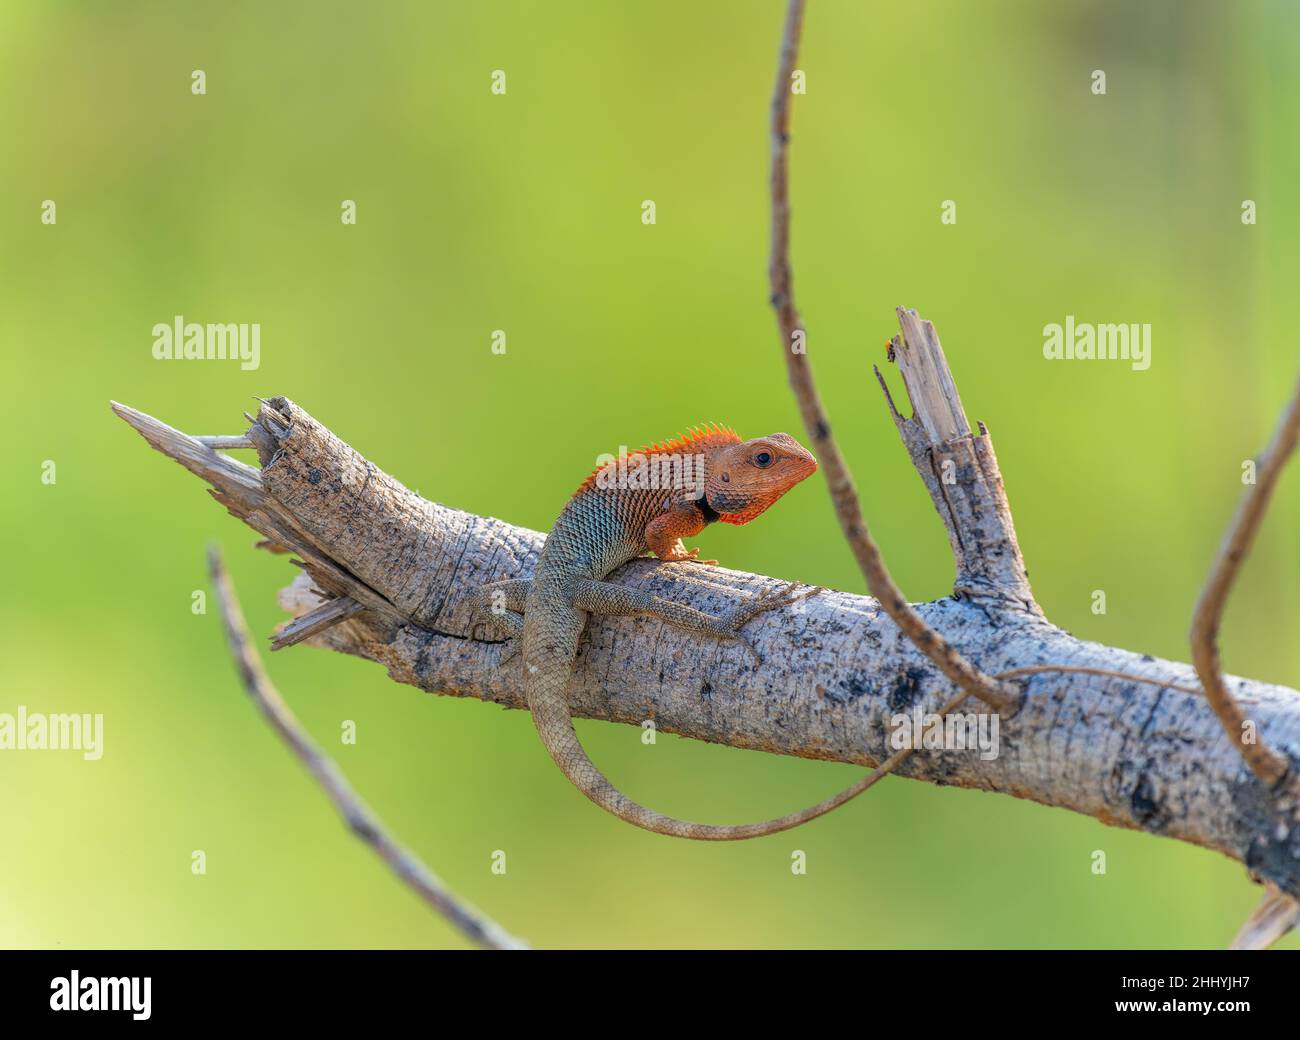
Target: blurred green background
{"type": "Point", "coordinates": [522, 212]}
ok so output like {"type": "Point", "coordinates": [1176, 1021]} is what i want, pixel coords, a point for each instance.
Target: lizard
{"type": "Point", "coordinates": [611, 519]}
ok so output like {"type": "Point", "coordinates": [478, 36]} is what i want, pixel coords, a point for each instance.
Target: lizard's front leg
{"type": "Point", "coordinates": [664, 534]}
{"type": "Point", "coordinates": [604, 597]}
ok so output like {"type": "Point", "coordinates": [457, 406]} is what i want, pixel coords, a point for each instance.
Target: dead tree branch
{"type": "Point", "coordinates": [1137, 755]}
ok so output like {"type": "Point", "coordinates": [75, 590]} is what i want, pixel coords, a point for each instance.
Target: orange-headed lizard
{"type": "Point", "coordinates": [648, 501]}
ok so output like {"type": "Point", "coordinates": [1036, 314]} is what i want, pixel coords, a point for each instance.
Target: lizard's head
{"type": "Point", "coordinates": [746, 478]}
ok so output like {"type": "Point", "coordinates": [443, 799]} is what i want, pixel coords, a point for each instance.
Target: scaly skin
{"type": "Point", "coordinates": [604, 526]}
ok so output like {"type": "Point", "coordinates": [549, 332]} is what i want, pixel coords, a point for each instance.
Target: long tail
{"type": "Point", "coordinates": [551, 715]}
{"type": "Point", "coordinates": [550, 710]}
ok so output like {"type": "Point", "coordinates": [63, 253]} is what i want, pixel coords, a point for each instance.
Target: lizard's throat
{"type": "Point", "coordinates": [732, 509]}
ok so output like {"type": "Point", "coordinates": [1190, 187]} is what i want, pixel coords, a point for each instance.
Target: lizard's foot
{"type": "Point", "coordinates": [689, 556]}
{"type": "Point", "coordinates": [606, 598]}
{"type": "Point", "coordinates": [770, 599]}
{"type": "Point", "coordinates": [496, 610]}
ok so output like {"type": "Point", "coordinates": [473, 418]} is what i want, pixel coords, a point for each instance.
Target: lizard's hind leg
{"type": "Point", "coordinates": [497, 610]}
{"type": "Point", "coordinates": [497, 614]}
{"type": "Point", "coordinates": [603, 597]}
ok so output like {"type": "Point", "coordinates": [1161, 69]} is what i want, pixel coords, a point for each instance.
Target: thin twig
{"type": "Point", "coordinates": [363, 822]}
{"type": "Point", "coordinates": [314, 622]}
{"type": "Point", "coordinates": [1269, 766]}
{"type": "Point", "coordinates": [1276, 914]}
{"type": "Point", "coordinates": [223, 442]}
{"type": "Point", "coordinates": [848, 508]}
{"type": "Point", "coordinates": [1107, 673]}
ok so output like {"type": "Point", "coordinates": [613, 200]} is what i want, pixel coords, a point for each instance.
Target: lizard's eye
{"type": "Point", "coordinates": [763, 459]}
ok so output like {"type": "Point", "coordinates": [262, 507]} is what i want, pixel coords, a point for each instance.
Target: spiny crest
{"type": "Point", "coordinates": [696, 439]}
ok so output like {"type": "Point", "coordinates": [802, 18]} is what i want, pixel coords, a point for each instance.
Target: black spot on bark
{"type": "Point", "coordinates": [905, 690]}
{"type": "Point", "coordinates": [313, 477]}
{"type": "Point", "coordinates": [1146, 810]}
{"type": "Point", "coordinates": [1272, 840]}
{"type": "Point", "coordinates": [855, 685]}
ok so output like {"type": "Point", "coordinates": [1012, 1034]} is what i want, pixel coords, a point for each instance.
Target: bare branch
{"type": "Point", "coordinates": [316, 621]}
{"type": "Point", "coordinates": [363, 822]}
{"type": "Point", "coordinates": [959, 470]}
{"type": "Point", "coordinates": [836, 672]}
{"type": "Point", "coordinates": [226, 443]}
{"type": "Point", "coordinates": [848, 508]}
{"type": "Point", "coordinates": [1268, 766]}
{"type": "Point", "coordinates": [1276, 915]}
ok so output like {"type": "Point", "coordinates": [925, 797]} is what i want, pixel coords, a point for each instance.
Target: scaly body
{"type": "Point", "coordinates": [606, 524]}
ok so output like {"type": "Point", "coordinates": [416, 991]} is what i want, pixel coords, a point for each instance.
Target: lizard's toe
{"type": "Point", "coordinates": [769, 599]}
{"type": "Point", "coordinates": [794, 593]}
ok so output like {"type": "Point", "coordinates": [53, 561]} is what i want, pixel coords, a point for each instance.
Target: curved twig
{"type": "Point", "coordinates": [363, 822]}
{"type": "Point", "coordinates": [848, 507]}
{"type": "Point", "coordinates": [1269, 766]}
